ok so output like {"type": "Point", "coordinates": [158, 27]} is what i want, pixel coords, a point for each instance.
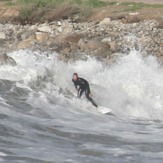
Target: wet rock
{"type": "Point", "coordinates": [98, 39]}
{"type": "Point", "coordinates": [94, 47]}
{"type": "Point", "coordinates": [5, 59]}
{"type": "Point", "coordinates": [114, 47]}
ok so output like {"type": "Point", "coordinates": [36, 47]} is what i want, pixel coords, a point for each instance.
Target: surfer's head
{"type": "Point", "coordinates": [75, 76]}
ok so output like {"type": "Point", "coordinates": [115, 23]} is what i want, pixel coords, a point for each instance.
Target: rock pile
{"type": "Point", "coordinates": [102, 39]}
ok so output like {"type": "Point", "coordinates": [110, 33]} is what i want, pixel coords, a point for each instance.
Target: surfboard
{"type": "Point", "coordinates": [101, 109]}
{"type": "Point", "coordinates": [104, 110]}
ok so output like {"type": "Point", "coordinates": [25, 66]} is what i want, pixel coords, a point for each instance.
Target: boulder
{"type": "Point", "coordinates": [67, 27]}
{"type": "Point", "coordinates": [133, 19]}
{"type": "Point", "coordinates": [2, 36]}
{"type": "Point", "coordinates": [45, 28]}
{"type": "Point", "coordinates": [94, 47]}
{"type": "Point", "coordinates": [93, 44]}
{"type": "Point", "coordinates": [60, 29]}
{"type": "Point", "coordinates": [67, 38]}
{"type": "Point", "coordinates": [59, 23]}
{"type": "Point", "coordinates": [114, 47]}
{"type": "Point", "coordinates": [105, 21]}
{"type": "Point", "coordinates": [160, 23]}
{"type": "Point", "coordinates": [106, 40]}
{"type": "Point", "coordinates": [26, 34]}
{"type": "Point", "coordinates": [81, 44]}
{"type": "Point", "coordinates": [5, 59]}
{"type": "Point", "coordinates": [26, 43]}
{"type": "Point", "coordinates": [41, 36]}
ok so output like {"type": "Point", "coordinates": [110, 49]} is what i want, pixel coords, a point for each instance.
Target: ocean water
{"type": "Point", "coordinates": [42, 121]}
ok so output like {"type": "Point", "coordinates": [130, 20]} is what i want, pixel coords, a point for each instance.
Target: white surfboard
{"type": "Point", "coordinates": [104, 110]}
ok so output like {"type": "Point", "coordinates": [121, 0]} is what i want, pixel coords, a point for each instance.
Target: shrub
{"type": "Point", "coordinates": [25, 13]}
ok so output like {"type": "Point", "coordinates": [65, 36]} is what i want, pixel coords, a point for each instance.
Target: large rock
{"type": "Point", "coordinates": [81, 44]}
{"type": "Point", "coordinates": [94, 47]}
{"type": "Point", "coordinates": [26, 43]}
{"type": "Point", "coordinates": [105, 21]}
{"type": "Point", "coordinates": [67, 27]}
{"type": "Point", "coordinates": [2, 36]}
{"type": "Point", "coordinates": [68, 38]}
{"type": "Point", "coordinates": [41, 37]}
{"type": "Point", "coordinates": [27, 34]}
{"type": "Point", "coordinates": [132, 19]}
{"type": "Point", "coordinates": [160, 23]}
{"type": "Point", "coordinates": [45, 28]}
{"type": "Point", "coordinates": [114, 47]}
{"type": "Point", "coordinates": [5, 59]}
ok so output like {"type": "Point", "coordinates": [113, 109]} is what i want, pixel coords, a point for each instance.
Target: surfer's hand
{"type": "Point", "coordinates": [90, 95]}
{"type": "Point", "coordinates": [78, 95]}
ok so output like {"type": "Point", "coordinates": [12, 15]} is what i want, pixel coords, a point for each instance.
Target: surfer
{"type": "Point", "coordinates": [81, 86]}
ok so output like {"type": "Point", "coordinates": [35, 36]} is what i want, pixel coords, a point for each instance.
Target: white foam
{"type": "Point", "coordinates": [131, 87]}
{"type": "Point", "coordinates": [3, 154]}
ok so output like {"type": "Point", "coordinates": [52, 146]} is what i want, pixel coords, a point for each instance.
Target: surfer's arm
{"type": "Point", "coordinates": [76, 87]}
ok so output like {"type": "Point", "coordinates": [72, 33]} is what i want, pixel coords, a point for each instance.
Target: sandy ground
{"type": "Point", "coordinates": [114, 11]}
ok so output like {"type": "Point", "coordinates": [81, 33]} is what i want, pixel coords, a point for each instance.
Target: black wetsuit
{"type": "Point", "coordinates": [83, 86]}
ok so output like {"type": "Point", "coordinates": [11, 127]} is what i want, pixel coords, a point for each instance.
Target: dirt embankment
{"type": "Point", "coordinates": [119, 9]}
{"type": "Point", "coordinates": [7, 13]}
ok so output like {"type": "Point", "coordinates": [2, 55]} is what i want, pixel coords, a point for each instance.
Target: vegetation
{"type": "Point", "coordinates": [9, 3]}
{"type": "Point", "coordinates": [39, 9]}
{"type": "Point", "coordinates": [88, 3]}
{"type": "Point", "coordinates": [50, 10]}
{"type": "Point", "coordinates": [25, 12]}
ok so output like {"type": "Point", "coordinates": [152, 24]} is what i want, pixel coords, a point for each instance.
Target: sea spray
{"type": "Point", "coordinates": [131, 87]}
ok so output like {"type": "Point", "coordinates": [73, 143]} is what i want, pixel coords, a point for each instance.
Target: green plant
{"type": "Point", "coordinates": [24, 13]}
{"type": "Point", "coordinates": [111, 3]}
{"type": "Point", "coordinates": [41, 3]}
{"type": "Point", "coordinates": [9, 3]}
{"type": "Point", "coordinates": [79, 2]}
{"type": "Point", "coordinates": [95, 3]}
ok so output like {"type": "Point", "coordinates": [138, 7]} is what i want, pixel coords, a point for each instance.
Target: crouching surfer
{"type": "Point", "coordinates": [81, 86]}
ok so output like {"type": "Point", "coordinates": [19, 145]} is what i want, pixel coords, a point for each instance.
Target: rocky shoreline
{"type": "Point", "coordinates": [104, 39]}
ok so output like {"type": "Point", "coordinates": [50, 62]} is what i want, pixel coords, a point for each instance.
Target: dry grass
{"type": "Point", "coordinates": [63, 11]}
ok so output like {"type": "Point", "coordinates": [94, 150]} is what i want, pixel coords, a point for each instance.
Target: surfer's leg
{"type": "Point", "coordinates": [87, 94]}
{"type": "Point", "coordinates": [81, 92]}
